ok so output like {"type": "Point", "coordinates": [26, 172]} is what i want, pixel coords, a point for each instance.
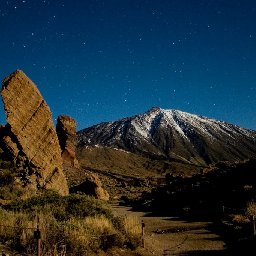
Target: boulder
{"type": "Point", "coordinates": [32, 139]}
{"type": "Point", "coordinates": [91, 186]}
{"type": "Point", "coordinates": [66, 131]}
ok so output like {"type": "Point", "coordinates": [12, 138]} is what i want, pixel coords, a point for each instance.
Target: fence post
{"type": "Point", "coordinates": [143, 233]}
{"type": "Point", "coordinates": [37, 236]}
{"type": "Point", "coordinates": [253, 225]}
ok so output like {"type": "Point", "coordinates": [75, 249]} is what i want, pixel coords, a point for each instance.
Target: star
{"type": "Point", "coordinates": [89, 45]}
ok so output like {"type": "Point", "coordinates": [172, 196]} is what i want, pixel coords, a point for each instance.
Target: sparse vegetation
{"type": "Point", "coordinates": [132, 227]}
{"type": "Point", "coordinates": [251, 209]}
{"type": "Point", "coordinates": [71, 225]}
{"type": "Point", "coordinates": [239, 219]}
{"type": "Point", "coordinates": [8, 190]}
{"type": "Point", "coordinates": [125, 173]}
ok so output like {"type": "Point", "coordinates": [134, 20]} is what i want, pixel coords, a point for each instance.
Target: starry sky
{"type": "Point", "coordinates": [102, 60]}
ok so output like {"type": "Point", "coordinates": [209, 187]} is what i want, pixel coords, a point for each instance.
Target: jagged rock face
{"type": "Point", "coordinates": [32, 139]}
{"type": "Point", "coordinates": [66, 131]}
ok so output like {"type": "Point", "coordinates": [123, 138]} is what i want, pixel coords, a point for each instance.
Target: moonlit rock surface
{"type": "Point", "coordinates": [37, 148]}
{"type": "Point", "coordinates": [66, 131]}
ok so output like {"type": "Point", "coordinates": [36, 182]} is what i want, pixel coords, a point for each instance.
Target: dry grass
{"type": "Point", "coordinates": [251, 209]}
{"type": "Point", "coordinates": [76, 236]}
{"type": "Point", "coordinates": [99, 224]}
{"type": "Point", "coordinates": [239, 219]}
{"type": "Point", "coordinates": [132, 227]}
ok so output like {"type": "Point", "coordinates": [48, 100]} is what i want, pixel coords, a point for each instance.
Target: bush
{"type": "Point", "coordinates": [251, 209]}
{"type": "Point", "coordinates": [7, 189]}
{"type": "Point", "coordinates": [63, 208]}
{"type": "Point", "coordinates": [6, 177]}
{"type": "Point", "coordinates": [132, 227]}
{"type": "Point", "coordinates": [82, 206]}
{"type": "Point", "coordinates": [239, 219]}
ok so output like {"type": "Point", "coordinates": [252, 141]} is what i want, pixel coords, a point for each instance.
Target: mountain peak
{"type": "Point", "coordinates": [158, 110]}
{"type": "Point", "coordinates": [173, 134]}
{"type": "Point", "coordinates": [154, 109]}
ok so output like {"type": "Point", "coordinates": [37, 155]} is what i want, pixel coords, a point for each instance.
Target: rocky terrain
{"type": "Point", "coordinates": [29, 138]}
{"type": "Point", "coordinates": [175, 136]}
{"type": "Point", "coordinates": [41, 158]}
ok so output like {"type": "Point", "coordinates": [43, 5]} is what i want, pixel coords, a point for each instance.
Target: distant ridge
{"type": "Point", "coordinates": [173, 135]}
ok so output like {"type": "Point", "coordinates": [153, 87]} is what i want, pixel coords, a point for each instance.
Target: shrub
{"type": "Point", "coordinates": [82, 206]}
{"type": "Point", "coordinates": [239, 219]}
{"type": "Point", "coordinates": [251, 209]}
{"type": "Point", "coordinates": [132, 227]}
{"type": "Point", "coordinates": [7, 189]}
{"type": "Point", "coordinates": [6, 177]}
{"type": "Point", "coordinates": [62, 208]}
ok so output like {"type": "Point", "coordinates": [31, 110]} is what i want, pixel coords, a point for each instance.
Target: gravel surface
{"type": "Point", "coordinates": [166, 236]}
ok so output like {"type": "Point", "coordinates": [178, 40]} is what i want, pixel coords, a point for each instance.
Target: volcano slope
{"type": "Point", "coordinates": [135, 153]}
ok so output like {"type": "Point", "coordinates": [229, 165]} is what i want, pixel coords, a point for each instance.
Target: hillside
{"type": "Point", "coordinates": [125, 173]}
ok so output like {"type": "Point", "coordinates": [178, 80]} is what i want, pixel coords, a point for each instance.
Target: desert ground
{"type": "Point", "coordinates": [166, 236]}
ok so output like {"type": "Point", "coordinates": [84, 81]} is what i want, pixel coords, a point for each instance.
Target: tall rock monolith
{"type": "Point", "coordinates": [32, 139]}
{"type": "Point", "coordinates": [66, 131]}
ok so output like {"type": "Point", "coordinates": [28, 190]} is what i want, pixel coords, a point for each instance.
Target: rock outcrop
{"type": "Point", "coordinates": [66, 131]}
{"type": "Point", "coordinates": [92, 186]}
{"type": "Point", "coordinates": [88, 183]}
{"type": "Point", "coordinates": [31, 138]}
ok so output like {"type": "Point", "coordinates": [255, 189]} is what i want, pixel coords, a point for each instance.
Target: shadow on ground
{"type": "Point", "coordinates": [202, 253]}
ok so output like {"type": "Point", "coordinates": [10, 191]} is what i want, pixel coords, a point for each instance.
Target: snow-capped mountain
{"type": "Point", "coordinates": [173, 134]}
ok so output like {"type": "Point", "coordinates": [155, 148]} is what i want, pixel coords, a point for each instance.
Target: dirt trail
{"type": "Point", "coordinates": [166, 236]}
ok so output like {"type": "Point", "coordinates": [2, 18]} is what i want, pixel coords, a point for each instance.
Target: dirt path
{"type": "Point", "coordinates": [166, 236]}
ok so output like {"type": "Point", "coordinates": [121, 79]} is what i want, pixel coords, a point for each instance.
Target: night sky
{"type": "Point", "coordinates": [102, 60]}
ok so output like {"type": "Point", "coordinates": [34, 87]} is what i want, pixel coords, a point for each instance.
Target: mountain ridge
{"type": "Point", "coordinates": [173, 134]}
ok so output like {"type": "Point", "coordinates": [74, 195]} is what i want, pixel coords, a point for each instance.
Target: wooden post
{"type": "Point", "coordinates": [143, 233]}
{"type": "Point", "coordinates": [253, 226]}
{"type": "Point", "coordinates": [37, 236]}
